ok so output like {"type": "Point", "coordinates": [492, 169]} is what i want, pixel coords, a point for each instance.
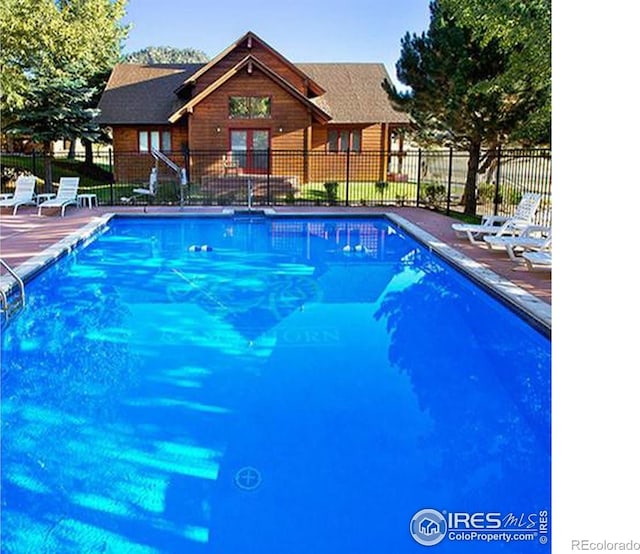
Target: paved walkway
{"type": "Point", "coordinates": [26, 235]}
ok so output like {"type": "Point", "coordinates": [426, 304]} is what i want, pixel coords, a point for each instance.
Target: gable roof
{"type": "Point", "coordinates": [249, 38]}
{"type": "Point", "coordinates": [142, 94]}
{"type": "Point", "coordinates": [354, 92]}
{"type": "Point", "coordinates": [250, 61]}
{"type": "Point", "coordinates": [347, 93]}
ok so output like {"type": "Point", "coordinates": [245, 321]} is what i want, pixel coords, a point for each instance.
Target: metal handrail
{"type": "Point", "coordinates": [4, 300]}
{"type": "Point", "coordinates": [180, 172]}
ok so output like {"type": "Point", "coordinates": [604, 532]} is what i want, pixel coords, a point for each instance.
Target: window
{"type": "Point", "coordinates": [160, 140]}
{"type": "Point", "coordinates": [345, 139]}
{"type": "Point", "coordinates": [249, 107]}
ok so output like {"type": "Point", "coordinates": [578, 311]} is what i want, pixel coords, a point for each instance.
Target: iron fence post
{"type": "Point", "coordinates": [269, 177]}
{"type": "Point", "coordinates": [449, 180]}
{"type": "Point", "coordinates": [496, 195]}
{"type": "Point", "coordinates": [346, 191]}
{"type": "Point", "coordinates": [33, 162]}
{"type": "Point", "coordinates": [111, 184]}
{"type": "Point", "coordinates": [187, 168]}
{"type": "Point", "coordinates": [419, 177]}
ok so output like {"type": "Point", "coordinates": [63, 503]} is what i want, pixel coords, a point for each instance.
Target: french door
{"type": "Point", "coordinates": [250, 149]}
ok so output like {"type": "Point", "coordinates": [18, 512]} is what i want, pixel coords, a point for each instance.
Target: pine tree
{"type": "Point", "coordinates": [461, 91]}
{"type": "Point", "coordinates": [166, 54]}
{"type": "Point", "coordinates": [55, 109]}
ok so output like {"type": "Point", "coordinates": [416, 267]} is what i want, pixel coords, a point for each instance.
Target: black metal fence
{"type": "Point", "coordinates": [432, 178]}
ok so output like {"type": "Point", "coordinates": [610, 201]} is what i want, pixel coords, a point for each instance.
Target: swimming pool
{"type": "Point", "coordinates": [299, 385]}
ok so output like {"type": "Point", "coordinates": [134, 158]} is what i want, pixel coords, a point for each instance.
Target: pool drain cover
{"type": "Point", "coordinates": [248, 478]}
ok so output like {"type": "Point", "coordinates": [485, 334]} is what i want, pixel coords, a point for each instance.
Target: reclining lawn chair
{"type": "Point", "coordinates": [23, 194]}
{"type": "Point", "coordinates": [533, 237]}
{"type": "Point", "coordinates": [67, 195]}
{"type": "Point", "coordinates": [538, 260]}
{"type": "Point", "coordinates": [502, 225]}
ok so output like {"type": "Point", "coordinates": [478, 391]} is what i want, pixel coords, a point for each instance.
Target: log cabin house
{"type": "Point", "coordinates": [250, 111]}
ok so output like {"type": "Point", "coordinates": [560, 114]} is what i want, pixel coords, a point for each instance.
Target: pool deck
{"type": "Point", "coordinates": [27, 235]}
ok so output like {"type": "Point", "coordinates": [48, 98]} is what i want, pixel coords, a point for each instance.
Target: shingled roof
{"type": "Point", "coordinates": [145, 94]}
{"type": "Point", "coordinates": [354, 92]}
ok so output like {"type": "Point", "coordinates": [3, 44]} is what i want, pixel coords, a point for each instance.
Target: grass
{"type": "Point", "coordinates": [90, 174]}
{"type": "Point", "coordinates": [361, 192]}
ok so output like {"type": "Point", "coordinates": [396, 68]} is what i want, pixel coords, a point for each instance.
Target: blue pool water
{"type": "Point", "coordinates": [302, 386]}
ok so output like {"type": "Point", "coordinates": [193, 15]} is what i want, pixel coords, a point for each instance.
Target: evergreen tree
{"type": "Point", "coordinates": [56, 55]}
{"type": "Point", "coordinates": [166, 54]}
{"type": "Point", "coordinates": [55, 109]}
{"type": "Point", "coordinates": [462, 90]}
{"type": "Point", "coordinates": [524, 30]}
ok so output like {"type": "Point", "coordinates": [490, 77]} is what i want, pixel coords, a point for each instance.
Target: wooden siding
{"type": "Point", "coordinates": [299, 146]}
{"type": "Point", "coordinates": [237, 55]}
{"type": "Point", "coordinates": [364, 166]}
{"type": "Point", "coordinates": [209, 125]}
{"type": "Point", "coordinates": [132, 166]}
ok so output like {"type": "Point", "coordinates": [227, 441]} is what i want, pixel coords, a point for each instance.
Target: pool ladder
{"type": "Point", "coordinates": [9, 307]}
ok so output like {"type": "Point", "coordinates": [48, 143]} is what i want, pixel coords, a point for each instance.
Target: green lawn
{"type": "Point", "coordinates": [90, 174]}
{"type": "Point", "coordinates": [360, 192]}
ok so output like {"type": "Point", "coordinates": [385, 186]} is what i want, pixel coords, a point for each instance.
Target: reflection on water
{"type": "Point", "coordinates": [348, 365]}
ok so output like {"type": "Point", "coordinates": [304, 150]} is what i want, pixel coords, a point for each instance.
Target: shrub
{"type": "Point", "coordinates": [512, 197]}
{"type": "Point", "coordinates": [381, 186]}
{"type": "Point", "coordinates": [331, 188]}
{"type": "Point", "coordinates": [433, 194]}
{"type": "Point", "coordinates": [486, 193]}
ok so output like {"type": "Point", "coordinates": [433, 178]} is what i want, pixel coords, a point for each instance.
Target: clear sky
{"type": "Point", "coordinates": [302, 31]}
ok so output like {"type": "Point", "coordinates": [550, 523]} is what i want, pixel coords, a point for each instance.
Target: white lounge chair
{"type": "Point", "coordinates": [533, 237]}
{"type": "Point", "coordinates": [538, 260]}
{"type": "Point", "coordinates": [23, 195]}
{"type": "Point", "coordinates": [67, 195]}
{"type": "Point", "coordinates": [502, 225]}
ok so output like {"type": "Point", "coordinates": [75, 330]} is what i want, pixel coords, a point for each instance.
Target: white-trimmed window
{"type": "Point", "coordinates": [160, 140]}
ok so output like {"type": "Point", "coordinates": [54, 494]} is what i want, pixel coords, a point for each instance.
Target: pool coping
{"type": "Point", "coordinates": [41, 261]}
{"type": "Point", "coordinates": [536, 311]}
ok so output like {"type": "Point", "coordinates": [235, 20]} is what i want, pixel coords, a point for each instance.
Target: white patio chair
{"type": "Point", "coordinates": [533, 237]}
{"type": "Point", "coordinates": [23, 195]}
{"type": "Point", "coordinates": [502, 225]}
{"type": "Point", "coordinates": [538, 260]}
{"type": "Point", "coordinates": [67, 195]}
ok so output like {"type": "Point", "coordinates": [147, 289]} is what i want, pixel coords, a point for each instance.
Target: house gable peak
{"type": "Point", "coordinates": [251, 41]}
